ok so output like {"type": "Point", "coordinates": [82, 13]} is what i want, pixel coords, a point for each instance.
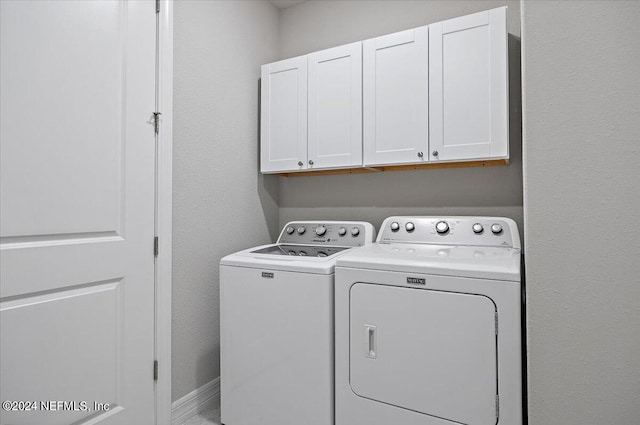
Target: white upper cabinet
{"type": "Point", "coordinates": [437, 93]}
{"type": "Point", "coordinates": [396, 98]}
{"type": "Point", "coordinates": [335, 107]}
{"type": "Point", "coordinates": [468, 95]}
{"type": "Point", "coordinates": [283, 131]}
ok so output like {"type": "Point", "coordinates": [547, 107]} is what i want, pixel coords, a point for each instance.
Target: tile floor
{"type": "Point", "coordinates": [207, 417]}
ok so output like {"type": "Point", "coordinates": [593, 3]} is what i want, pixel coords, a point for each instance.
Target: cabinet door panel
{"type": "Point", "coordinates": [469, 87]}
{"type": "Point", "coordinates": [396, 97]}
{"type": "Point", "coordinates": [283, 133]}
{"type": "Point", "coordinates": [335, 107]}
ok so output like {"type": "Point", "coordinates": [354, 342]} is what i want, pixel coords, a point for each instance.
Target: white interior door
{"type": "Point", "coordinates": [77, 211]}
{"type": "Point", "coordinates": [396, 97]}
{"type": "Point", "coordinates": [469, 87]}
{"type": "Point", "coordinates": [335, 107]}
{"type": "Point", "coordinates": [283, 116]}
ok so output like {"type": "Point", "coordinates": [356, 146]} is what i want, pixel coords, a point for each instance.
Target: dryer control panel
{"type": "Point", "coordinates": [469, 231]}
{"type": "Point", "coordinates": [327, 233]}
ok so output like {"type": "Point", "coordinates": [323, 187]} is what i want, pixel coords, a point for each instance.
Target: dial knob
{"type": "Point", "coordinates": [290, 230]}
{"type": "Point", "coordinates": [410, 227]}
{"type": "Point", "coordinates": [355, 231]}
{"type": "Point", "coordinates": [342, 231]}
{"type": "Point", "coordinates": [477, 228]}
{"type": "Point", "coordinates": [301, 230]}
{"type": "Point", "coordinates": [496, 228]}
{"type": "Point", "coordinates": [442, 227]}
{"type": "Point", "coordinates": [321, 230]}
{"type": "Point", "coordinates": [302, 254]}
{"type": "Point", "coordinates": [395, 226]}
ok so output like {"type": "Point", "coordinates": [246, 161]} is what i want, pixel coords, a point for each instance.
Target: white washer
{"type": "Point", "coordinates": [428, 324]}
{"type": "Point", "coordinates": [276, 319]}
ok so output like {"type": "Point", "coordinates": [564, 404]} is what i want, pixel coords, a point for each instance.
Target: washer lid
{"type": "Point", "coordinates": [464, 261]}
{"type": "Point", "coordinates": [263, 257]}
{"type": "Point", "coordinates": [300, 250]}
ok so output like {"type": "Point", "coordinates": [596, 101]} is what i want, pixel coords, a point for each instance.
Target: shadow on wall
{"type": "Point", "coordinates": [268, 185]}
{"type": "Point", "coordinates": [515, 107]}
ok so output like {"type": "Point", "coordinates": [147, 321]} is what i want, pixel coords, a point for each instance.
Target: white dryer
{"type": "Point", "coordinates": [428, 327]}
{"type": "Point", "coordinates": [276, 319]}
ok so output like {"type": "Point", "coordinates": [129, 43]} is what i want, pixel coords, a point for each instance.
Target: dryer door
{"type": "Point", "coordinates": [428, 351]}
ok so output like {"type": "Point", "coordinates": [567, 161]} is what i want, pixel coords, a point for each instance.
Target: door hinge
{"type": "Point", "coordinates": [496, 323]}
{"type": "Point", "coordinates": [497, 406]}
{"type": "Point", "coordinates": [155, 246]}
{"type": "Point", "coordinates": [156, 122]}
{"type": "Point", "coordinates": [157, 6]}
{"type": "Point", "coordinates": [155, 370]}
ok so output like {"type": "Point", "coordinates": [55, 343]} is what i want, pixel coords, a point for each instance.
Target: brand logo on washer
{"type": "Point", "coordinates": [268, 275]}
{"type": "Point", "coordinates": [416, 281]}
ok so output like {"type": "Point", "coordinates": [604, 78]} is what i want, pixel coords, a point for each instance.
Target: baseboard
{"type": "Point", "coordinates": [198, 400]}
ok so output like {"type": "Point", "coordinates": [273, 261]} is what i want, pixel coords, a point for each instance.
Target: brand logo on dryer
{"type": "Point", "coordinates": [416, 281]}
{"type": "Point", "coordinates": [268, 275]}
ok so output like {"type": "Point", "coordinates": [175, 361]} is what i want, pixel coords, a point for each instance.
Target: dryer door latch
{"type": "Point", "coordinates": [370, 337]}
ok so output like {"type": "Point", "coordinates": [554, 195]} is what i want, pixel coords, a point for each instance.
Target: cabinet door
{"type": "Point", "coordinates": [396, 98]}
{"type": "Point", "coordinates": [469, 87]}
{"type": "Point", "coordinates": [283, 130]}
{"type": "Point", "coordinates": [335, 107]}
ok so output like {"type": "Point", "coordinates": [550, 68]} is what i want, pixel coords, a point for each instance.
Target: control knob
{"type": "Point", "coordinates": [410, 227]}
{"type": "Point", "coordinates": [395, 226]}
{"type": "Point", "coordinates": [321, 230]}
{"type": "Point", "coordinates": [301, 230]}
{"type": "Point", "coordinates": [290, 230]}
{"type": "Point", "coordinates": [342, 231]}
{"type": "Point", "coordinates": [496, 228]}
{"type": "Point", "coordinates": [355, 231]}
{"type": "Point", "coordinates": [442, 227]}
{"type": "Point", "coordinates": [477, 228]}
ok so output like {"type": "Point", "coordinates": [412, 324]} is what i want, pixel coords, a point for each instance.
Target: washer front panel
{"type": "Point", "coordinates": [276, 354]}
{"type": "Point", "coordinates": [431, 352]}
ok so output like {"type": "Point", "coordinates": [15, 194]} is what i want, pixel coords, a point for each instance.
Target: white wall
{"type": "Point", "coordinates": [316, 25]}
{"type": "Point", "coordinates": [221, 202]}
{"type": "Point", "coordinates": [582, 210]}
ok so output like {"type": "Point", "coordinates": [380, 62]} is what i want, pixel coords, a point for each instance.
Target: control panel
{"type": "Point", "coordinates": [470, 231]}
{"type": "Point", "coordinates": [327, 233]}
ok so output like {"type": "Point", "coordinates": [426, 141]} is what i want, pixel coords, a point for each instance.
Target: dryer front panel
{"type": "Point", "coordinates": [431, 352]}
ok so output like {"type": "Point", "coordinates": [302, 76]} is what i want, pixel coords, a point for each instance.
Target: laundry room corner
{"type": "Point", "coordinates": [320, 212]}
{"type": "Point", "coordinates": [221, 202]}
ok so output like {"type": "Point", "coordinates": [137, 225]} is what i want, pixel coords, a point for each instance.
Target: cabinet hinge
{"type": "Point", "coordinates": [157, 6]}
{"type": "Point", "coordinates": [156, 122]}
{"type": "Point", "coordinates": [497, 406]}
{"type": "Point", "coordinates": [155, 370]}
{"type": "Point", "coordinates": [496, 323]}
{"type": "Point", "coordinates": [155, 246]}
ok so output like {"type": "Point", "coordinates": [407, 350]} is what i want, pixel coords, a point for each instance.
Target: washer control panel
{"type": "Point", "coordinates": [471, 231]}
{"type": "Point", "coordinates": [330, 233]}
